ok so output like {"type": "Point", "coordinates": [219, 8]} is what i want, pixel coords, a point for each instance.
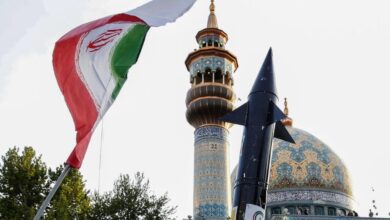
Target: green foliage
{"type": "Point", "coordinates": [131, 199]}
{"type": "Point", "coordinates": [71, 200]}
{"type": "Point", "coordinates": [23, 184]}
{"type": "Point", "coordinates": [25, 181]}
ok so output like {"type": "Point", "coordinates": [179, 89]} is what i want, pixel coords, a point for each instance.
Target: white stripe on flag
{"type": "Point", "coordinates": [94, 61]}
{"type": "Point", "coordinates": [160, 12]}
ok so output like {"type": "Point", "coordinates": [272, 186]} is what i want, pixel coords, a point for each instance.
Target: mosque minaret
{"type": "Point", "coordinates": [211, 96]}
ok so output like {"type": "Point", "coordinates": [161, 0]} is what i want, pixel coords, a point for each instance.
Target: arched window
{"type": "Point", "coordinates": [218, 76]}
{"type": "Point", "coordinates": [331, 211]}
{"type": "Point", "coordinates": [319, 210]}
{"type": "Point", "coordinates": [209, 43]}
{"type": "Point", "coordinates": [208, 76]}
{"type": "Point", "coordinates": [292, 210]}
{"type": "Point", "coordinates": [216, 43]}
{"type": "Point", "coordinates": [276, 211]}
{"type": "Point", "coordinates": [198, 78]}
{"type": "Point", "coordinates": [304, 210]}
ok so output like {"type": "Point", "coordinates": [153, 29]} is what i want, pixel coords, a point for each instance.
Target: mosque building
{"type": "Point", "coordinates": [306, 178]}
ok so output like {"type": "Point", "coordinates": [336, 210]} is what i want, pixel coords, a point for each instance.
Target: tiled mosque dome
{"type": "Point", "coordinates": [307, 175]}
{"type": "Point", "coordinates": [308, 164]}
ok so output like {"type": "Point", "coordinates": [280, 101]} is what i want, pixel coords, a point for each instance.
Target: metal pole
{"type": "Point", "coordinates": [52, 192]}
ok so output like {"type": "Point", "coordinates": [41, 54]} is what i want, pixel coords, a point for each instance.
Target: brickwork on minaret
{"type": "Point", "coordinates": [211, 96]}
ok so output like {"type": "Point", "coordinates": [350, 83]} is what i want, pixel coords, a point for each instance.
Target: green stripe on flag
{"type": "Point", "coordinates": [126, 54]}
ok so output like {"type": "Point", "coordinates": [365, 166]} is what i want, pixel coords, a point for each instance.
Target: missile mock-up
{"type": "Point", "coordinates": [262, 120]}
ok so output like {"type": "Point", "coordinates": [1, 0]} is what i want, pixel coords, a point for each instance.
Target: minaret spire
{"type": "Point", "coordinates": [212, 21]}
{"type": "Point", "coordinates": [285, 107]}
{"type": "Point", "coordinates": [212, 6]}
{"type": "Point", "coordinates": [287, 121]}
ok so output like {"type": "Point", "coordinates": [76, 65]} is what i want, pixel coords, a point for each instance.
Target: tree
{"type": "Point", "coordinates": [71, 201]}
{"type": "Point", "coordinates": [131, 199]}
{"type": "Point", "coordinates": [23, 184]}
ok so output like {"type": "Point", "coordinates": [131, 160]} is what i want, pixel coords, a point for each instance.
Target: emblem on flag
{"type": "Point", "coordinates": [103, 39]}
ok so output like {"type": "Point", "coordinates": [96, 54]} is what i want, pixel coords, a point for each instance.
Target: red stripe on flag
{"type": "Point", "coordinates": [77, 96]}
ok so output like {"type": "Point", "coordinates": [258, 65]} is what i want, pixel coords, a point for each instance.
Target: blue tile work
{"type": "Point", "coordinates": [212, 195]}
{"type": "Point", "coordinates": [205, 133]}
{"type": "Point", "coordinates": [305, 173]}
{"type": "Point", "coordinates": [308, 164]}
{"type": "Point", "coordinates": [213, 63]}
{"type": "Point", "coordinates": [213, 210]}
{"type": "Point", "coordinates": [290, 197]}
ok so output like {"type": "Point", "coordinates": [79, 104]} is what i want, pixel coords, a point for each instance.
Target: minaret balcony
{"type": "Point", "coordinates": [207, 102]}
{"type": "Point", "coordinates": [208, 52]}
{"type": "Point", "coordinates": [210, 90]}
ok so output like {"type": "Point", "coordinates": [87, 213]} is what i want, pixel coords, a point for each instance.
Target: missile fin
{"type": "Point", "coordinates": [274, 113]}
{"type": "Point", "coordinates": [238, 116]}
{"type": "Point", "coordinates": [282, 133]}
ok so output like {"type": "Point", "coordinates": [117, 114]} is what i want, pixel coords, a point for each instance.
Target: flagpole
{"type": "Point", "coordinates": [52, 192]}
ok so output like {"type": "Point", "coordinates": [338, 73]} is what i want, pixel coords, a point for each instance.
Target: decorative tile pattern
{"type": "Point", "coordinates": [208, 132]}
{"type": "Point", "coordinates": [213, 210]}
{"type": "Point", "coordinates": [211, 183]}
{"type": "Point", "coordinates": [213, 63]}
{"type": "Point", "coordinates": [307, 171]}
{"type": "Point", "coordinates": [309, 195]}
{"type": "Point", "coordinates": [308, 164]}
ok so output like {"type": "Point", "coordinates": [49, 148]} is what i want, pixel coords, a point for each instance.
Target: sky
{"type": "Point", "coordinates": [331, 60]}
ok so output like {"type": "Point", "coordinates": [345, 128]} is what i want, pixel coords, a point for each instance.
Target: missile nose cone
{"type": "Point", "coordinates": [265, 81]}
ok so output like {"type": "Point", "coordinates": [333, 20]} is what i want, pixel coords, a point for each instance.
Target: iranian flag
{"type": "Point", "coordinates": [91, 63]}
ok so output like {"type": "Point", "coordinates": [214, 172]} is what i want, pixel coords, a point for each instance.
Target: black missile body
{"type": "Point", "coordinates": [261, 118]}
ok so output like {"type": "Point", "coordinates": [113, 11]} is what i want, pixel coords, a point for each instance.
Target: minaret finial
{"type": "Point", "coordinates": [285, 107]}
{"type": "Point", "coordinates": [212, 22]}
{"type": "Point", "coordinates": [212, 7]}
{"type": "Point", "coordinates": [287, 121]}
